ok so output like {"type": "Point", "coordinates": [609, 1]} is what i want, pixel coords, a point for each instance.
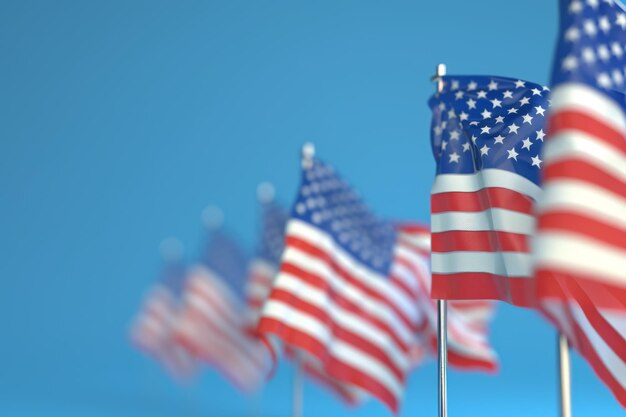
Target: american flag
{"type": "Point", "coordinates": [212, 323]}
{"type": "Point", "coordinates": [487, 135]}
{"type": "Point", "coordinates": [153, 328]}
{"type": "Point", "coordinates": [468, 344]}
{"type": "Point", "coordinates": [263, 270]}
{"type": "Point", "coordinates": [581, 239]}
{"type": "Point", "coordinates": [341, 294]}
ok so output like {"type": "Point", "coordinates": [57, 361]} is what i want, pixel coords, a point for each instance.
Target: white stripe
{"type": "Point", "coordinates": [486, 178]}
{"type": "Point", "coordinates": [579, 145]}
{"type": "Point", "coordinates": [367, 277]}
{"type": "Point", "coordinates": [579, 97]}
{"type": "Point", "coordinates": [586, 199]}
{"type": "Point", "coordinates": [338, 349]}
{"type": "Point", "coordinates": [491, 219]}
{"type": "Point", "coordinates": [350, 321]}
{"type": "Point", "coordinates": [339, 286]}
{"type": "Point", "coordinates": [513, 264]}
{"type": "Point", "coordinates": [580, 255]}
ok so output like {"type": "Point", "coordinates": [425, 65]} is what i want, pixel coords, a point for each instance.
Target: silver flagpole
{"type": "Point", "coordinates": [307, 154]}
{"type": "Point", "coordinates": [442, 311]}
{"type": "Point", "coordinates": [565, 376]}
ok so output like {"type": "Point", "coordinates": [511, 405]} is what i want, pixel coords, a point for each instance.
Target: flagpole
{"type": "Point", "coordinates": [565, 376]}
{"type": "Point", "coordinates": [442, 312]}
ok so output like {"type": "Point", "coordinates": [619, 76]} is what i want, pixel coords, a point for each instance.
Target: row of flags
{"type": "Point", "coordinates": [528, 206]}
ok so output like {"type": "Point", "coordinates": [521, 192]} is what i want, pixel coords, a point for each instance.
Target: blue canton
{"type": "Point", "coordinates": [330, 204]}
{"type": "Point", "coordinates": [272, 233]}
{"type": "Point", "coordinates": [482, 122]}
{"type": "Point", "coordinates": [592, 46]}
{"type": "Point", "coordinates": [225, 257]}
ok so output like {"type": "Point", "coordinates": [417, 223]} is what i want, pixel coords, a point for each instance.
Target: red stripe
{"type": "Point", "coordinates": [339, 332]}
{"type": "Point", "coordinates": [466, 363]}
{"type": "Point", "coordinates": [483, 286]}
{"type": "Point", "coordinates": [583, 225]}
{"type": "Point", "coordinates": [576, 168]}
{"type": "Point", "coordinates": [479, 241]}
{"type": "Point", "coordinates": [333, 367]}
{"type": "Point", "coordinates": [579, 120]}
{"type": "Point", "coordinates": [320, 283]}
{"type": "Point", "coordinates": [481, 200]}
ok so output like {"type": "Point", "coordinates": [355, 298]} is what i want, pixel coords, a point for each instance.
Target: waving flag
{"type": "Point", "coordinates": [212, 323]}
{"type": "Point", "coordinates": [468, 344]}
{"type": "Point", "coordinates": [153, 328]}
{"type": "Point", "coordinates": [263, 270]}
{"type": "Point", "coordinates": [487, 135]}
{"type": "Point", "coordinates": [581, 244]}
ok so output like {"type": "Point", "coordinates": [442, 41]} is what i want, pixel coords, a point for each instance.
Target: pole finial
{"type": "Point", "coordinates": [212, 217]}
{"type": "Point", "coordinates": [171, 249]}
{"type": "Point", "coordinates": [265, 192]}
{"type": "Point", "coordinates": [439, 73]}
{"type": "Point", "coordinates": [308, 153]}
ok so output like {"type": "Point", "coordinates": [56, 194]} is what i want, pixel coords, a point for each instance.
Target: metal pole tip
{"type": "Point", "coordinates": [308, 152]}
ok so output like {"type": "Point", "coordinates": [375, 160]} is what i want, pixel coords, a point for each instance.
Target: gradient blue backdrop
{"type": "Point", "coordinates": [120, 120]}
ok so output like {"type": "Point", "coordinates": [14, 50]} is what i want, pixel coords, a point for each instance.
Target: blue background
{"type": "Point", "coordinates": [121, 120]}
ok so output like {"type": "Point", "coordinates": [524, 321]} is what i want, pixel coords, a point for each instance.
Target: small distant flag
{"type": "Point", "coordinates": [336, 296]}
{"type": "Point", "coordinates": [580, 250]}
{"type": "Point", "coordinates": [263, 270]}
{"type": "Point", "coordinates": [153, 328]}
{"type": "Point", "coordinates": [212, 323]}
{"type": "Point", "coordinates": [487, 135]}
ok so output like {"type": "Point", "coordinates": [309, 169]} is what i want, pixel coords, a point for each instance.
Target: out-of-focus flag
{"type": "Point", "coordinates": [487, 135]}
{"type": "Point", "coordinates": [468, 344]}
{"type": "Point", "coordinates": [337, 295]}
{"type": "Point", "coordinates": [153, 328]}
{"type": "Point", "coordinates": [212, 323]}
{"type": "Point", "coordinates": [263, 270]}
{"type": "Point", "coordinates": [580, 250]}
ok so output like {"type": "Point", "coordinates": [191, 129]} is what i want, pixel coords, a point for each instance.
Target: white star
{"type": "Point", "coordinates": [590, 27]}
{"type": "Point", "coordinates": [572, 34]}
{"type": "Point", "coordinates": [493, 85]}
{"type": "Point", "coordinates": [444, 145]}
{"type": "Point", "coordinates": [451, 114]}
{"type": "Point", "coordinates": [482, 94]}
{"type": "Point", "coordinates": [546, 88]}
{"type": "Point", "coordinates": [528, 119]}
{"type": "Point", "coordinates": [454, 157]}
{"type": "Point", "coordinates": [474, 138]}
{"type": "Point", "coordinates": [604, 24]}
{"type": "Point", "coordinates": [570, 63]}
{"type": "Point", "coordinates": [540, 110]}
{"type": "Point", "coordinates": [472, 86]}
{"type": "Point", "coordinates": [618, 78]}
{"type": "Point", "coordinates": [536, 161]}
{"type": "Point", "coordinates": [485, 129]}
{"type": "Point", "coordinates": [576, 7]}
{"type": "Point", "coordinates": [484, 150]}
{"type": "Point", "coordinates": [520, 84]}
{"type": "Point", "coordinates": [604, 80]}
{"type": "Point", "coordinates": [513, 128]}
{"type": "Point", "coordinates": [526, 144]}
{"type": "Point", "coordinates": [442, 106]}
{"type": "Point", "coordinates": [500, 119]}
{"type": "Point", "coordinates": [588, 55]}
{"type": "Point", "coordinates": [593, 3]}
{"type": "Point", "coordinates": [455, 85]}
{"type": "Point", "coordinates": [499, 139]}
{"type": "Point", "coordinates": [496, 103]}
{"type": "Point", "coordinates": [524, 100]}
{"type": "Point", "coordinates": [463, 116]}
{"type": "Point", "coordinates": [604, 53]}
{"type": "Point", "coordinates": [473, 123]}
{"type": "Point", "coordinates": [621, 20]}
{"type": "Point", "coordinates": [507, 94]}
{"type": "Point", "coordinates": [617, 50]}
{"type": "Point", "coordinates": [540, 135]}
{"type": "Point", "coordinates": [536, 91]}
{"type": "Point", "coordinates": [486, 114]}
{"type": "Point", "coordinates": [471, 103]}
{"type": "Point", "coordinates": [454, 135]}
{"type": "Point", "coordinates": [512, 110]}
{"type": "Point", "coordinates": [458, 95]}
{"type": "Point", "coordinates": [512, 154]}
{"type": "Point", "coordinates": [466, 147]}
